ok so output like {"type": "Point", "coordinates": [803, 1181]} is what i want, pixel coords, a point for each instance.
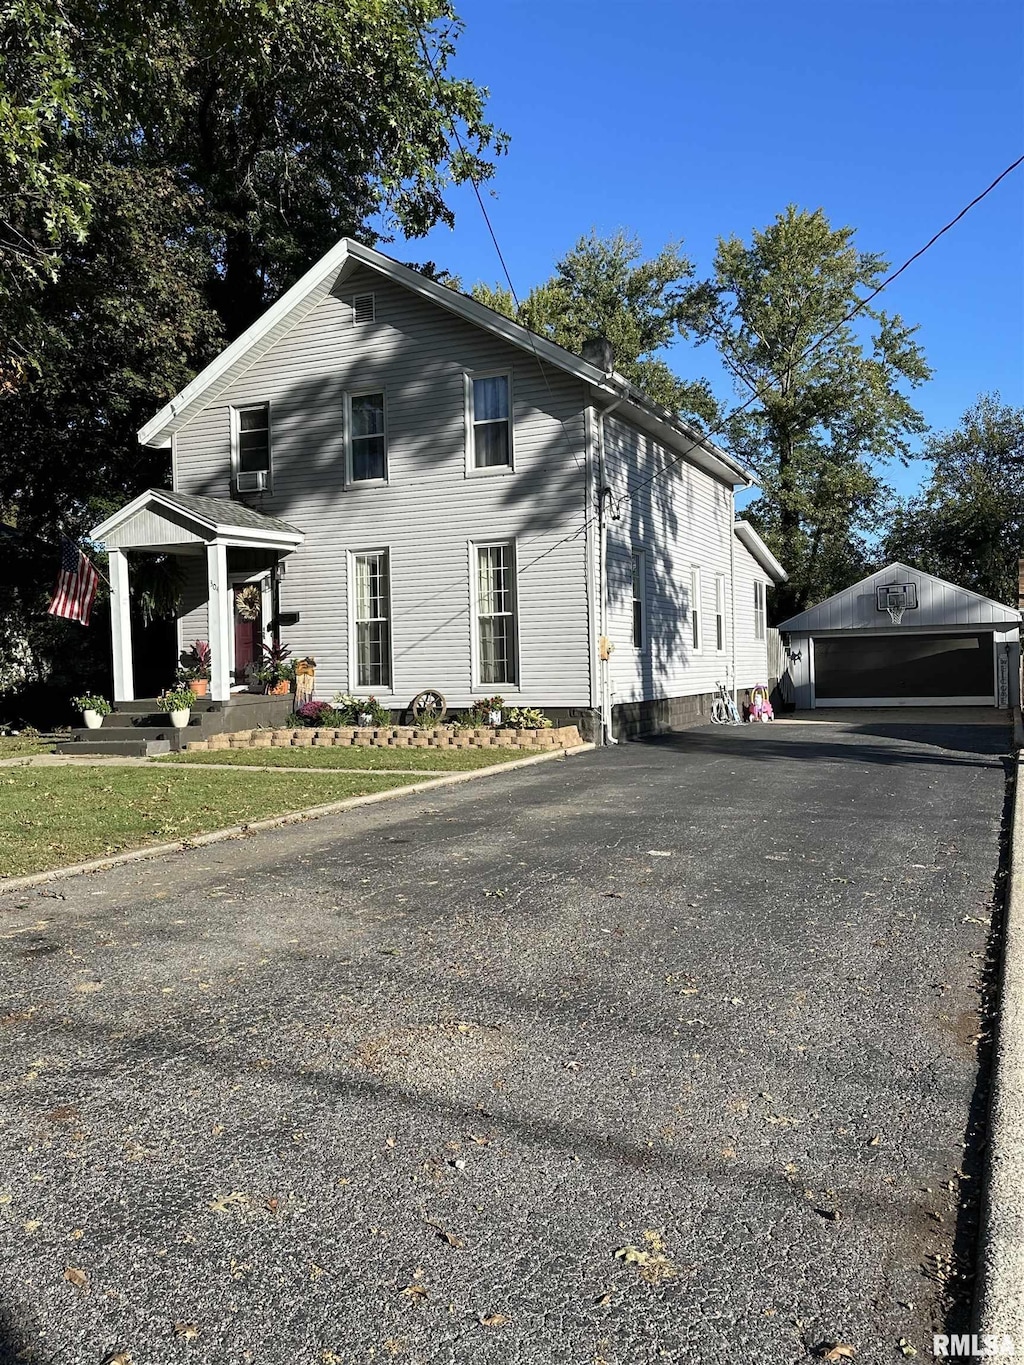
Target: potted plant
{"type": "Point", "coordinates": [197, 663]}
{"type": "Point", "coordinates": [178, 704]}
{"type": "Point", "coordinates": [275, 672]}
{"type": "Point", "coordinates": [494, 707]}
{"type": "Point", "coordinates": [93, 709]}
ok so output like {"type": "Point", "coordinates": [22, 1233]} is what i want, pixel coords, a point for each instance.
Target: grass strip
{"type": "Point", "coordinates": [50, 817]}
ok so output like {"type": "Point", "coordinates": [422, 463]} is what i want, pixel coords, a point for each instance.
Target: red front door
{"type": "Point", "coordinates": [248, 634]}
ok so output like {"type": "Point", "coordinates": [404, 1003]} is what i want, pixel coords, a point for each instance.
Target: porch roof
{"type": "Point", "coordinates": [160, 519]}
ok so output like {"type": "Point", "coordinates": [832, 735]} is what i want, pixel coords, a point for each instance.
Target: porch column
{"type": "Point", "coordinates": [219, 609]}
{"type": "Point", "coordinates": [121, 626]}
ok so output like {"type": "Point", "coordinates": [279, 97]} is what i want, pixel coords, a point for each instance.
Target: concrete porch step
{"type": "Point", "coordinates": [147, 706]}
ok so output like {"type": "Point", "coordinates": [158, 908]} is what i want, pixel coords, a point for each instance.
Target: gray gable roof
{"type": "Point", "coordinates": [224, 512]}
{"type": "Point", "coordinates": [161, 516]}
{"type": "Point", "coordinates": [939, 604]}
{"type": "Point", "coordinates": [327, 274]}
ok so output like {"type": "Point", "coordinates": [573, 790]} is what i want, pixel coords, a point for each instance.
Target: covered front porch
{"type": "Point", "coordinates": [225, 548]}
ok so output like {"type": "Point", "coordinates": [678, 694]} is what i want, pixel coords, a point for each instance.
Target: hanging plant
{"type": "Point", "coordinates": [249, 602]}
{"type": "Point", "coordinates": [158, 582]}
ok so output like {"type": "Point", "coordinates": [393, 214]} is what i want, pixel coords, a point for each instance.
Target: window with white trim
{"type": "Point", "coordinates": [639, 600]}
{"type": "Point", "coordinates": [250, 447]}
{"type": "Point", "coordinates": [759, 612]}
{"type": "Point", "coordinates": [367, 455]}
{"type": "Point", "coordinates": [490, 421]}
{"type": "Point", "coordinates": [497, 662]}
{"type": "Point", "coordinates": [372, 618]}
{"type": "Point", "coordinates": [720, 613]}
{"type": "Point", "coordinates": [695, 608]}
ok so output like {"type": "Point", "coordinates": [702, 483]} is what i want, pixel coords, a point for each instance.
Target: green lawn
{"type": "Point", "coordinates": [50, 817]}
{"type": "Point", "coordinates": [362, 760]}
{"type": "Point", "coordinates": [20, 746]}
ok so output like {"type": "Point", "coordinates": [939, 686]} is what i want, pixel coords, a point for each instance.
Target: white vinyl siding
{"type": "Point", "coordinates": [366, 456]}
{"type": "Point", "coordinates": [495, 603]}
{"type": "Point", "coordinates": [489, 421]}
{"type": "Point", "coordinates": [371, 642]}
{"type": "Point", "coordinates": [682, 518]}
{"type": "Point", "coordinates": [429, 511]}
{"type": "Point", "coordinates": [751, 649]}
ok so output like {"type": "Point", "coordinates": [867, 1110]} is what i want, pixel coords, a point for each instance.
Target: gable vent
{"type": "Point", "coordinates": [363, 308]}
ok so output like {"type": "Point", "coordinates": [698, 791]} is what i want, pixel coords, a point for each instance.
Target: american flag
{"type": "Point", "coordinates": [76, 587]}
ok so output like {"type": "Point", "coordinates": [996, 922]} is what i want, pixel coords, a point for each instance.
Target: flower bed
{"type": "Point", "coordinates": [395, 737]}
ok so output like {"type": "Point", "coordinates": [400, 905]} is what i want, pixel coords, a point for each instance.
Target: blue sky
{"type": "Point", "coordinates": [681, 120]}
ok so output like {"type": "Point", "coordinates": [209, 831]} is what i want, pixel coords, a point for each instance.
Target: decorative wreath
{"type": "Point", "coordinates": [249, 602]}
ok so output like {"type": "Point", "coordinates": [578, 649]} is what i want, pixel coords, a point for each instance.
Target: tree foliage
{"type": "Point", "coordinates": [967, 525]}
{"type": "Point", "coordinates": [168, 169]}
{"type": "Point", "coordinates": [822, 402]}
{"type": "Point", "coordinates": [604, 287]}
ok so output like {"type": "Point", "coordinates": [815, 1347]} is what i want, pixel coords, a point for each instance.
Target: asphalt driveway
{"type": "Point", "coordinates": [667, 1052]}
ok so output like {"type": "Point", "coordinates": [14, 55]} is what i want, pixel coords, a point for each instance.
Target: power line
{"type": "Point", "coordinates": [494, 238]}
{"type": "Point", "coordinates": [820, 341]}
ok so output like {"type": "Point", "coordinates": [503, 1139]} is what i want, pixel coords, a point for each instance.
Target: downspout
{"type": "Point", "coordinates": [732, 593]}
{"type": "Point", "coordinates": [603, 491]}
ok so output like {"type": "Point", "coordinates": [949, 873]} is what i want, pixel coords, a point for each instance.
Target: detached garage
{"type": "Point", "coordinates": [904, 638]}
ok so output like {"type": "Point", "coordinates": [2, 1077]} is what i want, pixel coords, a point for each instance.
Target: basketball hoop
{"type": "Point", "coordinates": [896, 598]}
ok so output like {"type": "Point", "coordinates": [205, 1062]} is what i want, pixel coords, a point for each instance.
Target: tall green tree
{"type": "Point", "coordinates": [967, 525]}
{"type": "Point", "coordinates": [167, 170]}
{"type": "Point", "coordinates": [604, 287]}
{"type": "Point", "coordinates": [825, 400]}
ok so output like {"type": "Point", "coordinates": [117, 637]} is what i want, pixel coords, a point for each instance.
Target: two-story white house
{"type": "Point", "coordinates": [419, 493]}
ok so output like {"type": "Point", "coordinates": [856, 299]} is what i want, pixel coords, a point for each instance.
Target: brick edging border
{"type": "Point", "coordinates": [275, 821]}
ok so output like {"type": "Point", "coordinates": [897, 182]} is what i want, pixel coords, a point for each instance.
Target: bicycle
{"type": "Point", "coordinates": [723, 708]}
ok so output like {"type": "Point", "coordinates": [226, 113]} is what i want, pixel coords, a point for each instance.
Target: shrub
{"type": "Point", "coordinates": [320, 713]}
{"type": "Point", "coordinates": [350, 708]}
{"type": "Point", "coordinates": [526, 718]}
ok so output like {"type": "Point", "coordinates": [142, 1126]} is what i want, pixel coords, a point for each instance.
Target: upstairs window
{"type": "Point", "coordinates": [250, 453]}
{"type": "Point", "coordinates": [759, 613]}
{"type": "Point", "coordinates": [496, 615]}
{"type": "Point", "coordinates": [639, 600]}
{"type": "Point", "coordinates": [490, 422]}
{"type": "Point", "coordinates": [367, 444]}
{"type": "Point", "coordinates": [372, 577]}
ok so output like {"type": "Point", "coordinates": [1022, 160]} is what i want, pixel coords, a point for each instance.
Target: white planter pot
{"type": "Point", "coordinates": [179, 719]}
{"type": "Point", "coordinates": [93, 719]}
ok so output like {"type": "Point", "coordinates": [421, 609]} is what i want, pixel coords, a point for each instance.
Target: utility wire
{"type": "Point", "coordinates": [494, 238]}
{"type": "Point", "coordinates": [758, 393]}
{"type": "Point", "coordinates": [820, 341]}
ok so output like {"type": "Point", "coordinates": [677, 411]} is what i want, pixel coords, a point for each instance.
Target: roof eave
{"type": "Point", "coordinates": [760, 551]}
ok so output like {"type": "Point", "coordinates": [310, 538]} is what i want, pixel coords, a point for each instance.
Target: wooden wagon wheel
{"type": "Point", "coordinates": [430, 699]}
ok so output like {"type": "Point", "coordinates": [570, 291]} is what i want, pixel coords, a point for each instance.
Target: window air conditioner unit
{"type": "Point", "coordinates": [251, 481]}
